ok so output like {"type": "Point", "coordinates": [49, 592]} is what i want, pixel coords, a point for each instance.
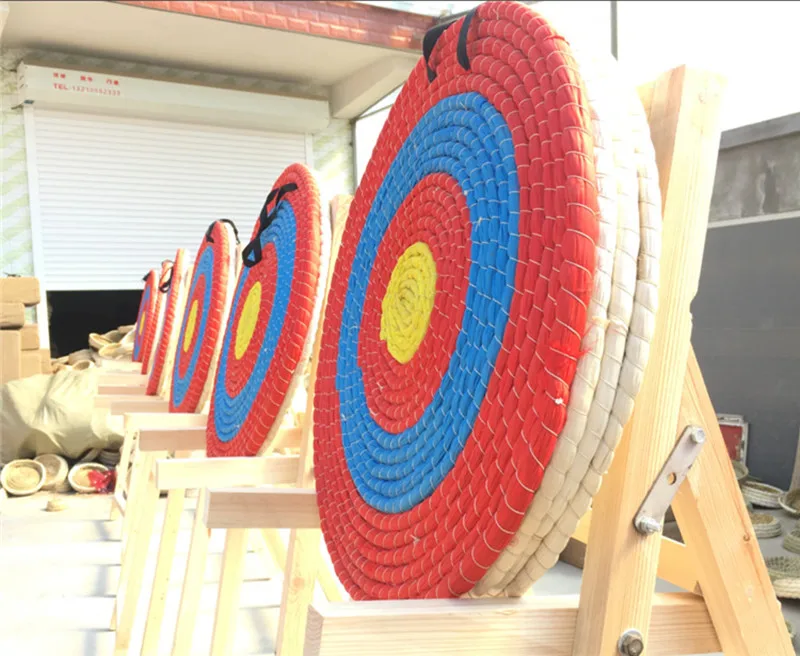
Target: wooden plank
{"type": "Point", "coordinates": [621, 564]}
{"type": "Point", "coordinates": [164, 562]}
{"type": "Point", "coordinates": [21, 289]}
{"type": "Point", "coordinates": [134, 404]}
{"type": "Point", "coordinates": [531, 626]}
{"type": "Point", "coordinates": [30, 363]}
{"type": "Point", "coordinates": [44, 357]}
{"type": "Point", "coordinates": [120, 378]}
{"type": "Point", "coordinates": [135, 557]}
{"type": "Point", "coordinates": [30, 337]}
{"type": "Point", "coordinates": [12, 315]}
{"type": "Point", "coordinates": [261, 508]}
{"type": "Point", "coordinates": [675, 563]}
{"type": "Point", "coordinates": [122, 390]}
{"type": "Point", "coordinates": [149, 420]}
{"type": "Point", "coordinates": [192, 584]}
{"type": "Point", "coordinates": [10, 355]}
{"type": "Point", "coordinates": [230, 585]}
{"type": "Point", "coordinates": [225, 472]}
{"type": "Point", "coordinates": [172, 439]}
{"type": "Point", "coordinates": [715, 524]}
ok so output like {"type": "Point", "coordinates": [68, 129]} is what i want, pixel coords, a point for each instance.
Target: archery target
{"type": "Point", "coordinates": [207, 305]}
{"type": "Point", "coordinates": [271, 325]}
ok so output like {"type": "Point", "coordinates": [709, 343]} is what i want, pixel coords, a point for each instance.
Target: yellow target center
{"type": "Point", "coordinates": [408, 302]}
{"type": "Point", "coordinates": [141, 323]}
{"type": "Point", "coordinates": [190, 326]}
{"type": "Point", "coordinates": [247, 320]}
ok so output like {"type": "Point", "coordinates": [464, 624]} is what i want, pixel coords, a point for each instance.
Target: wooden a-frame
{"type": "Point", "coordinates": [729, 606]}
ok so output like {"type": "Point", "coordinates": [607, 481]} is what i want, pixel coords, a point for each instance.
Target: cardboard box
{"type": "Point", "coordinates": [30, 337]}
{"type": "Point", "coordinates": [20, 290]}
{"type": "Point", "coordinates": [10, 355]}
{"type": "Point", "coordinates": [46, 364]}
{"type": "Point", "coordinates": [31, 363]}
{"type": "Point", "coordinates": [12, 315]}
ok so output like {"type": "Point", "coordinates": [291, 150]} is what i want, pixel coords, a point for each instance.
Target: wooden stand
{"type": "Point", "coordinates": [617, 611]}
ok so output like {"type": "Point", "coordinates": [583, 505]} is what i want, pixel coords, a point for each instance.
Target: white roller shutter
{"type": "Point", "coordinates": [118, 195]}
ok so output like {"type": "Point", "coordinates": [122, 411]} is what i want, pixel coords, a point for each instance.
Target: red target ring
{"type": "Point", "coordinates": [425, 466]}
{"type": "Point", "coordinates": [146, 315]}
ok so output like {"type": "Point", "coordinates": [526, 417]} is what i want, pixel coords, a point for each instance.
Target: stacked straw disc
{"type": "Point", "coordinates": [146, 314]}
{"type": "Point", "coordinates": [174, 286]}
{"type": "Point", "coordinates": [269, 335]}
{"type": "Point", "coordinates": [153, 329]}
{"type": "Point", "coordinates": [207, 305]}
{"type": "Point", "coordinates": [490, 314]}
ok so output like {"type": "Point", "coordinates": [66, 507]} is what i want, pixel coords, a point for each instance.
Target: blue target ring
{"type": "Point", "coordinates": [203, 272]}
{"type": "Point", "coordinates": [230, 411]}
{"type": "Point", "coordinates": [465, 137]}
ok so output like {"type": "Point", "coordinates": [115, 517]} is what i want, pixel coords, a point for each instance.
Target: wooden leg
{"type": "Point", "coordinates": [166, 556]}
{"type": "Point", "coordinates": [138, 479]}
{"type": "Point", "coordinates": [298, 590]}
{"type": "Point", "coordinates": [230, 584]}
{"type": "Point", "coordinates": [133, 564]}
{"type": "Point", "coordinates": [122, 467]}
{"type": "Point", "coordinates": [620, 574]}
{"type": "Point", "coordinates": [716, 526]}
{"type": "Point", "coordinates": [192, 584]}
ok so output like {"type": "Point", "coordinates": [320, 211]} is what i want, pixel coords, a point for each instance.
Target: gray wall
{"type": "Point", "coordinates": [747, 311]}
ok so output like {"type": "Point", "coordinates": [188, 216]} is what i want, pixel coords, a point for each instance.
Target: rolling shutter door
{"type": "Point", "coordinates": [119, 195]}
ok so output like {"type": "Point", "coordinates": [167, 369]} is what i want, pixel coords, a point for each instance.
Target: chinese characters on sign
{"type": "Point", "coordinates": [83, 83]}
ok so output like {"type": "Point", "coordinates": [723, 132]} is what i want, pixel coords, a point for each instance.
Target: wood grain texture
{"type": "Point", "coordinates": [621, 564]}
{"type": "Point", "coordinates": [225, 472]}
{"type": "Point", "coordinates": [675, 563]}
{"type": "Point", "coordinates": [172, 439]}
{"type": "Point", "coordinates": [530, 626]}
{"type": "Point", "coordinates": [715, 524]}
{"type": "Point", "coordinates": [261, 508]}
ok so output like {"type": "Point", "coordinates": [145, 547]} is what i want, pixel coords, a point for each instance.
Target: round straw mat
{"type": "Point", "coordinates": [206, 311]}
{"type": "Point", "coordinates": [56, 470]}
{"type": "Point", "coordinates": [462, 293]}
{"type": "Point", "coordinates": [146, 307]}
{"type": "Point", "coordinates": [153, 329]}
{"type": "Point", "coordinates": [616, 340]}
{"type": "Point", "coordinates": [175, 289]}
{"type": "Point", "coordinates": [269, 334]}
{"type": "Point", "coordinates": [23, 477]}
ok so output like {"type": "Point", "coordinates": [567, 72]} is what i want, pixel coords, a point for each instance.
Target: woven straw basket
{"type": "Point", "coordinates": [784, 571]}
{"type": "Point", "coordinates": [790, 502]}
{"type": "Point", "coordinates": [761, 494]}
{"type": "Point", "coordinates": [765, 526]}
{"type": "Point", "coordinates": [57, 470]}
{"type": "Point", "coordinates": [792, 541]}
{"type": "Point", "coordinates": [78, 476]}
{"type": "Point", "coordinates": [22, 477]}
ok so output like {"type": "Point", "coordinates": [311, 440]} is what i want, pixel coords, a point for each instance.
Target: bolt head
{"type": "Point", "coordinates": [698, 436]}
{"type": "Point", "coordinates": [631, 643]}
{"type": "Point", "coordinates": [647, 525]}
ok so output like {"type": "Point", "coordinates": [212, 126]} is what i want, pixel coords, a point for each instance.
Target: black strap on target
{"type": "Point", "coordinates": [251, 255]}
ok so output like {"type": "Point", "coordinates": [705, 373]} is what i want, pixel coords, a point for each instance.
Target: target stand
{"type": "Point", "coordinates": [276, 465]}
{"type": "Point", "coordinates": [729, 605]}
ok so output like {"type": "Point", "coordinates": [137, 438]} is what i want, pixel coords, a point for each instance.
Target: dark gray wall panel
{"type": "Point", "coordinates": [747, 336]}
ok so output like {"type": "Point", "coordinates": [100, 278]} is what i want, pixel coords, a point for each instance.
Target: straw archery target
{"type": "Point", "coordinates": [457, 310]}
{"type": "Point", "coordinates": [145, 315]}
{"type": "Point", "coordinates": [153, 328]}
{"type": "Point", "coordinates": [174, 286]}
{"type": "Point", "coordinates": [206, 310]}
{"type": "Point", "coordinates": [269, 333]}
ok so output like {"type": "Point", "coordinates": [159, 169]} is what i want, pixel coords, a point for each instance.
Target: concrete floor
{"type": "Point", "coordinates": [59, 574]}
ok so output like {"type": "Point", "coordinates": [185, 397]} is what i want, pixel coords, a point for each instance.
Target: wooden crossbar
{"type": "Point", "coordinates": [225, 472]}
{"type": "Point", "coordinates": [531, 626]}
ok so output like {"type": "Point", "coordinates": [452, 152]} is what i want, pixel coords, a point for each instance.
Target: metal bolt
{"type": "Point", "coordinates": [631, 643]}
{"type": "Point", "coordinates": [698, 436]}
{"type": "Point", "coordinates": [647, 525]}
